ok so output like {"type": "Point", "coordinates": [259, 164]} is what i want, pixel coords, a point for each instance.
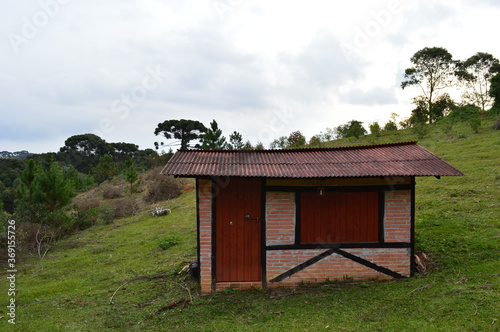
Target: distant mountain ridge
{"type": "Point", "coordinates": [14, 155]}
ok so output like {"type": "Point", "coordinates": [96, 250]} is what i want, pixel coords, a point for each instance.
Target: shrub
{"type": "Point", "coordinates": [475, 123]}
{"type": "Point", "coordinates": [86, 205]}
{"type": "Point", "coordinates": [447, 125]}
{"type": "Point", "coordinates": [112, 192]}
{"type": "Point", "coordinates": [375, 129]}
{"type": "Point", "coordinates": [496, 126]}
{"type": "Point", "coordinates": [188, 187]}
{"type": "Point", "coordinates": [168, 241]}
{"type": "Point", "coordinates": [125, 207]}
{"type": "Point", "coordinates": [85, 219]}
{"type": "Point", "coordinates": [421, 130]}
{"type": "Point", "coordinates": [106, 214]}
{"type": "Point", "coordinates": [390, 126]}
{"type": "Point", "coordinates": [161, 187]}
{"type": "Point", "coordinates": [30, 212]}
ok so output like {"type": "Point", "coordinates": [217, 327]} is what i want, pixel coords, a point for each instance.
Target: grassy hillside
{"type": "Point", "coordinates": [117, 277]}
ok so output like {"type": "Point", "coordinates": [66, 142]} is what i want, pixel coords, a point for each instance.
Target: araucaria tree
{"type": "Point", "coordinates": [475, 74]}
{"type": "Point", "coordinates": [184, 130]}
{"type": "Point", "coordinates": [433, 70]}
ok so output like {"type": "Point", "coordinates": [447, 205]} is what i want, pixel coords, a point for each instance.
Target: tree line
{"type": "Point", "coordinates": [40, 186]}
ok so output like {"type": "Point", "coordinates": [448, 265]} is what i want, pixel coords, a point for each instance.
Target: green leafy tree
{"type": "Point", "coordinates": [353, 128]}
{"type": "Point", "coordinates": [315, 141]}
{"type": "Point", "coordinates": [433, 70]}
{"type": "Point", "coordinates": [495, 94]}
{"type": "Point", "coordinates": [279, 143]}
{"type": "Point", "coordinates": [259, 146]}
{"type": "Point", "coordinates": [475, 74]}
{"type": "Point", "coordinates": [441, 108]}
{"type": "Point", "coordinates": [375, 129]}
{"type": "Point", "coordinates": [422, 114]}
{"type": "Point", "coordinates": [327, 135]}
{"type": "Point", "coordinates": [236, 141]}
{"type": "Point", "coordinates": [390, 126]}
{"type": "Point", "coordinates": [213, 139]}
{"type": "Point", "coordinates": [469, 114]}
{"type": "Point", "coordinates": [296, 139]}
{"type": "Point", "coordinates": [184, 130]}
{"type": "Point", "coordinates": [420, 129]}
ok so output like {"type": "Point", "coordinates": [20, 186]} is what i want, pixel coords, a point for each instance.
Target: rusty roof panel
{"type": "Point", "coordinates": [398, 159]}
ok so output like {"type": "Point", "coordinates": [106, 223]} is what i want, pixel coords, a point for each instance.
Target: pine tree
{"type": "Point", "coordinates": [131, 174]}
{"type": "Point", "coordinates": [213, 139]}
{"type": "Point", "coordinates": [51, 189]}
{"type": "Point", "coordinates": [236, 141]}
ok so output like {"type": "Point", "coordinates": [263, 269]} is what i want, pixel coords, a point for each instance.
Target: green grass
{"type": "Point", "coordinates": [95, 280]}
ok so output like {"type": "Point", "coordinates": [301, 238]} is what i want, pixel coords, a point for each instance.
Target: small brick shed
{"type": "Point", "coordinates": [271, 218]}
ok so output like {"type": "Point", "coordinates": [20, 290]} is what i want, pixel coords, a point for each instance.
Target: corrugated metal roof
{"type": "Point", "coordinates": [397, 159]}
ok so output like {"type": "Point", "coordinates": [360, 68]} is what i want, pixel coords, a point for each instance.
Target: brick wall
{"type": "Point", "coordinates": [335, 267]}
{"type": "Point", "coordinates": [397, 218]}
{"type": "Point", "coordinates": [205, 218]}
{"type": "Point", "coordinates": [280, 230]}
{"type": "Point", "coordinates": [280, 218]}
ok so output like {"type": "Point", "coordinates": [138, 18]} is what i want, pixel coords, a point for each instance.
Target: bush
{"type": "Point", "coordinates": [475, 123]}
{"type": "Point", "coordinates": [188, 187]}
{"type": "Point", "coordinates": [496, 126]}
{"type": "Point", "coordinates": [168, 241]}
{"type": "Point", "coordinates": [161, 187]}
{"type": "Point", "coordinates": [447, 125]}
{"type": "Point", "coordinates": [85, 218]}
{"type": "Point", "coordinates": [421, 130]}
{"type": "Point", "coordinates": [106, 214]}
{"type": "Point", "coordinates": [112, 192]}
{"type": "Point", "coordinates": [86, 205]}
{"type": "Point", "coordinates": [60, 222]}
{"type": "Point", "coordinates": [390, 126]}
{"type": "Point", "coordinates": [30, 212]}
{"type": "Point", "coordinates": [375, 129]}
{"type": "Point", "coordinates": [124, 208]}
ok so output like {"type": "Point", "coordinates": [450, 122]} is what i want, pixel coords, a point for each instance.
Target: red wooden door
{"type": "Point", "coordinates": [237, 224]}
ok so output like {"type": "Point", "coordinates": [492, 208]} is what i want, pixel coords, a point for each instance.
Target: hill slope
{"type": "Point", "coordinates": [117, 276]}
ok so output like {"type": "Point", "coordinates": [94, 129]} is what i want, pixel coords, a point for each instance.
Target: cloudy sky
{"type": "Point", "coordinates": [263, 68]}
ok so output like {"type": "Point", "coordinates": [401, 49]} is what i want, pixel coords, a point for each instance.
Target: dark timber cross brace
{"type": "Point", "coordinates": [343, 253]}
